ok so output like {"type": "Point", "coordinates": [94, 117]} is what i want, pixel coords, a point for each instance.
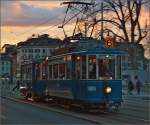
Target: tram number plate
{"type": "Point", "coordinates": [91, 88]}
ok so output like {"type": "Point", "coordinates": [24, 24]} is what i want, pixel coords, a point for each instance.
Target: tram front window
{"type": "Point", "coordinates": [106, 69]}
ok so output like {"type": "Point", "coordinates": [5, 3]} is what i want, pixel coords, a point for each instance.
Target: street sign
{"type": "Point", "coordinates": [109, 42]}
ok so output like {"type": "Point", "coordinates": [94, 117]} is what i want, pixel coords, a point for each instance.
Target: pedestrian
{"type": "Point", "coordinates": [130, 86]}
{"type": "Point", "coordinates": [138, 84]}
{"type": "Point", "coordinates": [17, 86]}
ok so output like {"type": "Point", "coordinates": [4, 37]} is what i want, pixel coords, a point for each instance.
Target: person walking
{"type": "Point", "coordinates": [130, 86]}
{"type": "Point", "coordinates": [138, 84]}
{"type": "Point", "coordinates": [17, 86]}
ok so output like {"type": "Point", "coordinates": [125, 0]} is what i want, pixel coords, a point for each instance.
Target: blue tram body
{"type": "Point", "coordinates": [89, 76]}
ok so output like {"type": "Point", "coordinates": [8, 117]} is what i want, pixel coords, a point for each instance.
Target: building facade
{"type": "Point", "coordinates": [34, 49]}
{"type": "Point", "coordinates": [5, 67]}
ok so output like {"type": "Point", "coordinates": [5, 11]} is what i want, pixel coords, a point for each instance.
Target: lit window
{"type": "Point", "coordinates": [61, 71]}
{"type": "Point", "coordinates": [78, 68]}
{"type": "Point", "coordinates": [92, 66]}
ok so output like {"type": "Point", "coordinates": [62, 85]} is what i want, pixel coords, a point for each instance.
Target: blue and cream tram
{"type": "Point", "coordinates": [91, 77]}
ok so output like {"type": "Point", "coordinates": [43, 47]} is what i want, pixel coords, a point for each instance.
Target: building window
{"type": "Point", "coordinates": [43, 50]}
{"type": "Point", "coordinates": [37, 50]}
{"type": "Point", "coordinates": [37, 56]}
{"type": "Point", "coordinates": [30, 50]}
{"type": "Point", "coordinates": [30, 56]}
{"type": "Point", "coordinates": [26, 51]}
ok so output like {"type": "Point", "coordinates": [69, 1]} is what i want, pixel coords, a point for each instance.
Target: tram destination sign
{"type": "Point", "coordinates": [109, 42]}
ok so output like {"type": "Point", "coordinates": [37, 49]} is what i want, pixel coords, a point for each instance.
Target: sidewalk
{"type": "Point", "coordinates": [134, 94]}
{"type": "Point", "coordinates": [7, 92]}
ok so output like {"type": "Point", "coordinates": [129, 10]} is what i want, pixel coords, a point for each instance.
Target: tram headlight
{"type": "Point", "coordinates": [108, 89]}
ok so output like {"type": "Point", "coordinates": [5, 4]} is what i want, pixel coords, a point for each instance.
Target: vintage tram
{"type": "Point", "coordinates": [77, 73]}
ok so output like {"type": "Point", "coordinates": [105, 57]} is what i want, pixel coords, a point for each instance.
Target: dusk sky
{"type": "Point", "coordinates": [21, 19]}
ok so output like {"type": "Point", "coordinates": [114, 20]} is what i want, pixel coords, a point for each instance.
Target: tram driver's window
{"type": "Point", "coordinates": [92, 66]}
{"type": "Point", "coordinates": [106, 70]}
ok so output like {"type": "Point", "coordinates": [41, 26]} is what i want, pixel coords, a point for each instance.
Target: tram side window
{"type": "Point", "coordinates": [83, 67]}
{"type": "Point", "coordinates": [118, 67]}
{"type": "Point", "coordinates": [92, 66]}
{"type": "Point", "coordinates": [55, 71]}
{"type": "Point", "coordinates": [68, 67]}
{"type": "Point", "coordinates": [50, 72]}
{"type": "Point", "coordinates": [62, 71]}
{"type": "Point", "coordinates": [78, 70]}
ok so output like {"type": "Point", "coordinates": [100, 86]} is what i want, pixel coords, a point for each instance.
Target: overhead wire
{"type": "Point", "coordinates": [38, 25]}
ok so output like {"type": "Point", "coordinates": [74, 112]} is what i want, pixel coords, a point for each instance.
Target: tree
{"type": "Point", "coordinates": [125, 18]}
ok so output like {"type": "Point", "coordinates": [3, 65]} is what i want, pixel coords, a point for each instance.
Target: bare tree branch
{"type": "Point", "coordinates": [106, 29]}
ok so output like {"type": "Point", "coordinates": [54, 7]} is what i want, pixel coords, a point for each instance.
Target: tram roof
{"type": "Point", "coordinates": [101, 50]}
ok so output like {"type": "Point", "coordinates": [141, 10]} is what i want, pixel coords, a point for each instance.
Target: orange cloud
{"type": "Point", "coordinates": [8, 28]}
{"type": "Point", "coordinates": [144, 17]}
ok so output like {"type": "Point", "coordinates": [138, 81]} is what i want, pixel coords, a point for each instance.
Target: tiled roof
{"type": "Point", "coordinates": [40, 42]}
